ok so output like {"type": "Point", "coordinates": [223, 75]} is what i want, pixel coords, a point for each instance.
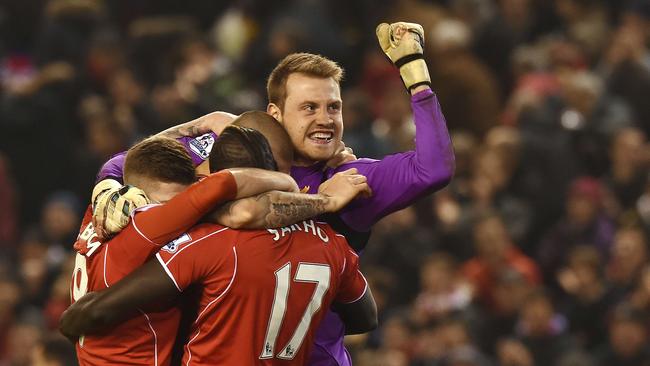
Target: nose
{"type": "Point", "coordinates": [324, 119]}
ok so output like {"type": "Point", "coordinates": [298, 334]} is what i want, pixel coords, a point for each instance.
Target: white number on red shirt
{"type": "Point", "coordinates": [314, 273]}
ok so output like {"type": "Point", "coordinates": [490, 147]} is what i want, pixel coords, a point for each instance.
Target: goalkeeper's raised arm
{"type": "Point", "coordinates": [400, 179]}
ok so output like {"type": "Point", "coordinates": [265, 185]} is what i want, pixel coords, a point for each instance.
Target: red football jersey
{"type": "Point", "coordinates": [146, 339]}
{"type": "Point", "coordinates": [264, 291]}
{"type": "Point", "coordinates": [142, 340]}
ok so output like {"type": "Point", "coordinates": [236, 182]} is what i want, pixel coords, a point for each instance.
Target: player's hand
{"type": "Point", "coordinates": [343, 154]}
{"type": "Point", "coordinates": [112, 205]}
{"type": "Point", "coordinates": [343, 187]}
{"type": "Point", "coordinates": [214, 122]}
{"type": "Point", "coordinates": [403, 43]}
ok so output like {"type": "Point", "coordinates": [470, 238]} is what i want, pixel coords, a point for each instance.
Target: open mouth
{"type": "Point", "coordinates": [321, 137]}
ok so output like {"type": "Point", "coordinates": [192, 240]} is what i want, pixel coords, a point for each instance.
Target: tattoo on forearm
{"type": "Point", "coordinates": [288, 208]}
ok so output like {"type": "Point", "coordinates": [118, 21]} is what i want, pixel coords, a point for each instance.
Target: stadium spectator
{"type": "Point", "coordinates": [444, 291]}
{"type": "Point", "coordinates": [628, 257]}
{"type": "Point", "coordinates": [588, 296]}
{"type": "Point", "coordinates": [496, 254]}
{"type": "Point", "coordinates": [584, 223]}
{"type": "Point", "coordinates": [628, 339]}
{"type": "Point", "coordinates": [542, 330]}
{"type": "Point", "coordinates": [625, 178]}
{"type": "Point", "coordinates": [54, 350]}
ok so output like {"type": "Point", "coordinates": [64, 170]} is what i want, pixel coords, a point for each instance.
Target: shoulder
{"type": "Point", "coordinates": [336, 238]}
{"type": "Point", "coordinates": [362, 164]}
{"type": "Point", "coordinates": [208, 232]}
{"type": "Point", "coordinates": [201, 238]}
{"type": "Point", "coordinates": [355, 164]}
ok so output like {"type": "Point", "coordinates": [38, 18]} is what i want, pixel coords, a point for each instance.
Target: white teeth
{"type": "Point", "coordinates": [322, 135]}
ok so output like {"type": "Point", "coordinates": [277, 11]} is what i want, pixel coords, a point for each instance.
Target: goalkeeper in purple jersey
{"type": "Point", "coordinates": [304, 96]}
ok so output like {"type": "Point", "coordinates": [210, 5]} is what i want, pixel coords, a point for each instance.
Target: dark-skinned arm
{"type": "Point", "coordinates": [360, 316]}
{"type": "Point", "coordinates": [98, 310]}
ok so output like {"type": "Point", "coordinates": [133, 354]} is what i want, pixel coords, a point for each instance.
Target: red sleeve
{"type": "Point", "coordinates": [189, 259]}
{"type": "Point", "coordinates": [124, 253]}
{"type": "Point", "coordinates": [353, 285]}
{"type": "Point", "coordinates": [162, 223]}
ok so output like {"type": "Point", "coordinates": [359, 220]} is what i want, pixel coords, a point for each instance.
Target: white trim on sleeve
{"type": "Point", "coordinates": [169, 273]}
{"type": "Point", "coordinates": [365, 289]}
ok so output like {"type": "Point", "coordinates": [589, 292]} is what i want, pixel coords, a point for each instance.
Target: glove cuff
{"type": "Point", "coordinates": [414, 71]}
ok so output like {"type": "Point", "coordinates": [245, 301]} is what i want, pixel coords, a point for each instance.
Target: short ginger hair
{"type": "Point", "coordinates": [304, 63]}
{"type": "Point", "coordinates": [160, 158]}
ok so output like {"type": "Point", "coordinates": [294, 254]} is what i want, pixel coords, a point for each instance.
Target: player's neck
{"type": "Point", "coordinates": [307, 169]}
{"type": "Point", "coordinates": [304, 162]}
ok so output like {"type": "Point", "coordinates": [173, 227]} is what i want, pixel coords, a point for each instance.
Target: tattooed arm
{"type": "Point", "coordinates": [277, 209]}
{"type": "Point", "coordinates": [271, 209]}
{"type": "Point", "coordinates": [213, 122]}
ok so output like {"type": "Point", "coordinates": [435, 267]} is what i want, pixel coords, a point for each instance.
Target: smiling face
{"type": "Point", "coordinates": [312, 115]}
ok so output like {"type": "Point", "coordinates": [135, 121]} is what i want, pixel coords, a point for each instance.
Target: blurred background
{"type": "Point", "coordinates": [535, 255]}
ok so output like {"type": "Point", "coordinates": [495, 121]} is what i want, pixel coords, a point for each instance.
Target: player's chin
{"type": "Point", "coordinates": [320, 153]}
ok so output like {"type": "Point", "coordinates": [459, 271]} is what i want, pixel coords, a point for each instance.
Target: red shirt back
{"type": "Point", "coordinates": [146, 339]}
{"type": "Point", "coordinates": [264, 291]}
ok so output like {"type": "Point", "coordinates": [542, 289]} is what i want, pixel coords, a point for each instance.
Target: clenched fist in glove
{"type": "Point", "coordinates": [403, 44]}
{"type": "Point", "coordinates": [112, 206]}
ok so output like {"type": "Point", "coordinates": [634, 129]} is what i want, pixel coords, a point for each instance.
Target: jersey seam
{"type": "Point", "coordinates": [104, 269]}
{"type": "Point", "coordinates": [141, 234]}
{"type": "Point", "coordinates": [365, 289]}
{"type": "Point", "coordinates": [232, 280]}
{"type": "Point", "coordinates": [169, 273]}
{"type": "Point", "coordinates": [155, 338]}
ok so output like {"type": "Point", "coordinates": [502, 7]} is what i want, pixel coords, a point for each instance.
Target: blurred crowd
{"type": "Point", "coordinates": [535, 255]}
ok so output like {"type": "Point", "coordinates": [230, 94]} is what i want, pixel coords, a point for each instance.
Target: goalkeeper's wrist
{"type": "Point", "coordinates": [415, 74]}
{"type": "Point", "coordinates": [420, 88]}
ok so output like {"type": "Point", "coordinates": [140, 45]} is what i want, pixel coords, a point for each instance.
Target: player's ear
{"type": "Point", "coordinates": [274, 111]}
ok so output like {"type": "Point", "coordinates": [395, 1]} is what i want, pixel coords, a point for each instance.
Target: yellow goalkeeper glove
{"type": "Point", "coordinates": [112, 206]}
{"type": "Point", "coordinates": [403, 44]}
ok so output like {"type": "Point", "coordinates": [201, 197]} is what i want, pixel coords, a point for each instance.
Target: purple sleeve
{"type": "Point", "coordinates": [198, 147]}
{"type": "Point", "coordinates": [400, 179]}
{"type": "Point", "coordinates": [113, 168]}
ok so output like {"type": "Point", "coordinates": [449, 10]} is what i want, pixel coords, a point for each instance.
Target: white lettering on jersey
{"type": "Point", "coordinates": [90, 237]}
{"type": "Point", "coordinates": [306, 225]}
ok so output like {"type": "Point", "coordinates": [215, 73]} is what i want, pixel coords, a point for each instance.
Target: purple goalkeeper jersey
{"type": "Point", "coordinates": [397, 181]}
{"type": "Point", "coordinates": [198, 147]}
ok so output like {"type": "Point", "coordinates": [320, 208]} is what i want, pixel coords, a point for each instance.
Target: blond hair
{"type": "Point", "coordinates": [305, 63]}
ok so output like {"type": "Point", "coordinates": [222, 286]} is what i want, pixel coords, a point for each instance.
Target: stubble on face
{"type": "Point", "coordinates": [312, 115]}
